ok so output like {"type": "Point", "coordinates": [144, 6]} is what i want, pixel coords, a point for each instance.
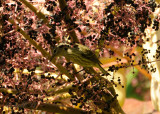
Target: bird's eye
{"type": "Point", "coordinates": [75, 46]}
{"type": "Point", "coordinates": [61, 46]}
{"type": "Point", "coordinates": [65, 48]}
{"type": "Point", "coordinates": [54, 51]}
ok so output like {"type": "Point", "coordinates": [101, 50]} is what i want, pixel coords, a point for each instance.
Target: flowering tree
{"type": "Point", "coordinates": [30, 31]}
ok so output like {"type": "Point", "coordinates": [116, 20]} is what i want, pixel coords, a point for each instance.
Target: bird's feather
{"type": "Point", "coordinates": [87, 53]}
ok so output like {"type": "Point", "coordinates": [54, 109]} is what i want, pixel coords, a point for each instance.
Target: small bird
{"type": "Point", "coordinates": [78, 54]}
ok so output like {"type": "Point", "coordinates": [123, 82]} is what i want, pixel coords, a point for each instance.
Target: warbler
{"type": "Point", "coordinates": [78, 54]}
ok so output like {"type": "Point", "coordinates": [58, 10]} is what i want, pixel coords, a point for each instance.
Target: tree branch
{"type": "Point", "coordinates": [44, 52]}
{"type": "Point", "coordinates": [72, 34]}
{"type": "Point", "coordinates": [39, 14]}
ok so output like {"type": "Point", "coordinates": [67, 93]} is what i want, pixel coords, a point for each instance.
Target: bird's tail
{"type": "Point", "coordinates": [102, 70]}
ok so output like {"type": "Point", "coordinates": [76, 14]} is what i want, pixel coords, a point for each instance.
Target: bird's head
{"type": "Point", "coordinates": [60, 50]}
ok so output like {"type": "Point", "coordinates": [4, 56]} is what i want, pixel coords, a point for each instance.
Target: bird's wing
{"type": "Point", "coordinates": [90, 55]}
{"type": "Point", "coordinates": [87, 53]}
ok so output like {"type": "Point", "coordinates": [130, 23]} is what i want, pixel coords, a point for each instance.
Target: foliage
{"type": "Point", "coordinates": [30, 32]}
